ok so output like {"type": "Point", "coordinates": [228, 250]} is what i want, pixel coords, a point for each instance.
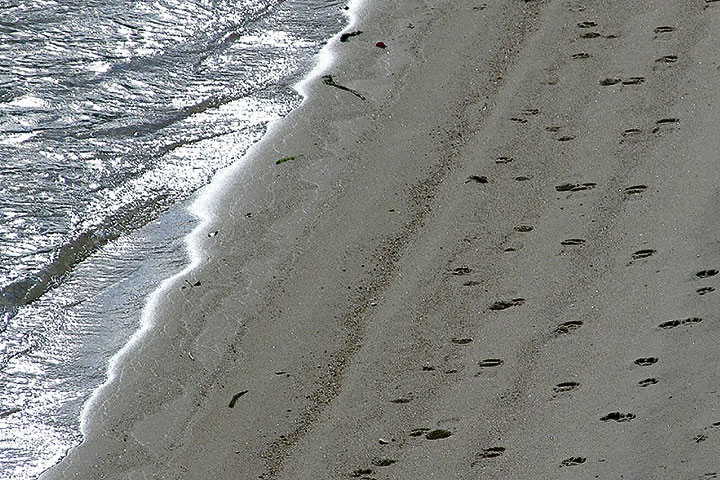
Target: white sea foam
{"type": "Point", "coordinates": [203, 209]}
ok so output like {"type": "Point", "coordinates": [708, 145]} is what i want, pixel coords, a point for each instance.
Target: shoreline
{"type": "Point", "coordinates": [474, 269]}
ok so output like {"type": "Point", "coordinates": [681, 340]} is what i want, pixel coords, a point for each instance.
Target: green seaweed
{"type": "Point", "coordinates": [285, 159]}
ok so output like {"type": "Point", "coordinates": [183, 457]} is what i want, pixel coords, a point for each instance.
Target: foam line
{"type": "Point", "coordinates": [202, 209]}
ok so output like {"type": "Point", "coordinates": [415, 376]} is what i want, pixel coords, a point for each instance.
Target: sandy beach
{"type": "Point", "coordinates": [492, 253]}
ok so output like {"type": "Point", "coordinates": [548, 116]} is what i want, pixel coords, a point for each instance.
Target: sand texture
{"type": "Point", "coordinates": [494, 256]}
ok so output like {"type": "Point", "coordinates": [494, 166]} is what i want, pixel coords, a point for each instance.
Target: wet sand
{"type": "Point", "coordinates": [493, 255]}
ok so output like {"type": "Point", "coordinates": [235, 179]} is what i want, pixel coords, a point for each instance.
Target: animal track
{"type": "Point", "coordinates": [590, 35]}
{"type": "Point", "coordinates": [531, 111]}
{"type": "Point", "coordinates": [461, 341]}
{"type": "Point", "coordinates": [635, 189]}
{"type": "Point", "coordinates": [618, 417]}
{"type": "Point", "coordinates": [575, 187]}
{"type": "Point", "coordinates": [676, 323]}
{"type": "Point", "coordinates": [519, 120]}
{"type": "Point", "coordinates": [565, 387]}
{"type": "Point", "coordinates": [568, 327]}
{"type": "Point", "coordinates": [606, 82]}
{"type": "Point", "coordinates": [490, 363]}
{"type": "Point", "coordinates": [505, 304]}
{"type": "Point", "coordinates": [647, 382]}
{"type": "Point", "coordinates": [631, 131]}
{"type": "Point", "coordinates": [572, 242]}
{"type": "Point", "coordinates": [581, 55]}
{"type": "Point", "coordinates": [645, 253]}
{"type": "Point", "coordinates": [706, 273]}
{"type": "Point", "coordinates": [361, 472]}
{"type": "Point", "coordinates": [566, 138]}
{"type": "Point", "coordinates": [524, 228]}
{"type": "Point", "coordinates": [522, 178]}
{"type": "Point", "coordinates": [705, 290]}
{"type": "Point", "coordinates": [646, 361]}
{"type": "Point", "coordinates": [382, 462]}
{"type": "Point", "coordinates": [573, 461]}
{"type": "Point", "coordinates": [503, 160]}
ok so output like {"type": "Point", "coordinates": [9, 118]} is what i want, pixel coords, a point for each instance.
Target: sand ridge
{"type": "Point", "coordinates": [497, 260]}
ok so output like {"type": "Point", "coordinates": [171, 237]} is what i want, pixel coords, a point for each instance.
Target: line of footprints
{"type": "Point", "coordinates": [589, 30]}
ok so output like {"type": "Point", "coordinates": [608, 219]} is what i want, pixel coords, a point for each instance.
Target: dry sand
{"type": "Point", "coordinates": [500, 264]}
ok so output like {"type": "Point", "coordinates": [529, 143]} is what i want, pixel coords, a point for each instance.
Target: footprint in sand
{"type": "Point", "coordinates": [524, 228]}
{"type": "Point", "coordinates": [459, 271]}
{"type": "Point", "coordinates": [633, 81]}
{"type": "Point", "coordinates": [663, 30]}
{"type": "Point", "coordinates": [665, 124]}
{"type": "Point", "coordinates": [566, 138]}
{"type": "Point", "coordinates": [477, 179]}
{"type": "Point", "coordinates": [647, 382]}
{"type": "Point", "coordinates": [589, 35]}
{"type": "Point", "coordinates": [705, 290]}
{"type": "Point", "coordinates": [490, 363]}
{"type": "Point", "coordinates": [667, 59]}
{"type": "Point", "coordinates": [606, 82]}
{"type": "Point", "coordinates": [568, 327]}
{"type": "Point", "coordinates": [587, 24]}
{"type": "Point", "coordinates": [580, 55]}
{"type": "Point", "coordinates": [462, 341]}
{"type": "Point", "coordinates": [618, 417]}
{"type": "Point", "coordinates": [383, 462]}
{"type": "Point", "coordinates": [503, 160]}
{"type": "Point", "coordinates": [572, 242]}
{"type": "Point", "coordinates": [361, 473]}
{"type": "Point", "coordinates": [491, 452]}
{"type": "Point", "coordinates": [635, 189]}
{"type": "Point", "coordinates": [575, 187]}
{"type": "Point", "coordinates": [573, 461]}
{"type": "Point", "coordinates": [706, 273]}
{"type": "Point", "coordinates": [640, 254]}
{"type": "Point", "coordinates": [676, 323]}
{"type": "Point", "coordinates": [565, 387]}
{"type": "Point", "coordinates": [505, 304]}
{"type": "Point", "coordinates": [646, 361]}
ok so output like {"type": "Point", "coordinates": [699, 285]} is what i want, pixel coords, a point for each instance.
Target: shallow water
{"type": "Point", "coordinates": [112, 113]}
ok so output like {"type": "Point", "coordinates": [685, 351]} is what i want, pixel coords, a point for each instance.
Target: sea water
{"type": "Point", "coordinates": [112, 113]}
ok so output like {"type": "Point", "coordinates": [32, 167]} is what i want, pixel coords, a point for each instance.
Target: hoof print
{"type": "Point", "coordinates": [706, 273]}
{"type": "Point", "coordinates": [505, 304]}
{"type": "Point", "coordinates": [647, 382]}
{"type": "Point", "coordinates": [618, 417]}
{"type": "Point", "coordinates": [438, 434]}
{"type": "Point", "coordinates": [568, 327]}
{"type": "Point", "coordinates": [565, 387]}
{"type": "Point", "coordinates": [606, 82]}
{"type": "Point", "coordinates": [490, 362]}
{"type": "Point", "coordinates": [705, 290]}
{"type": "Point", "coordinates": [572, 242]}
{"type": "Point", "coordinates": [573, 461]}
{"type": "Point", "coordinates": [646, 361]}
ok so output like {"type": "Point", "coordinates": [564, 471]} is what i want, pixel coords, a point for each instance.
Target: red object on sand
{"type": "Point", "coordinates": [380, 44]}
